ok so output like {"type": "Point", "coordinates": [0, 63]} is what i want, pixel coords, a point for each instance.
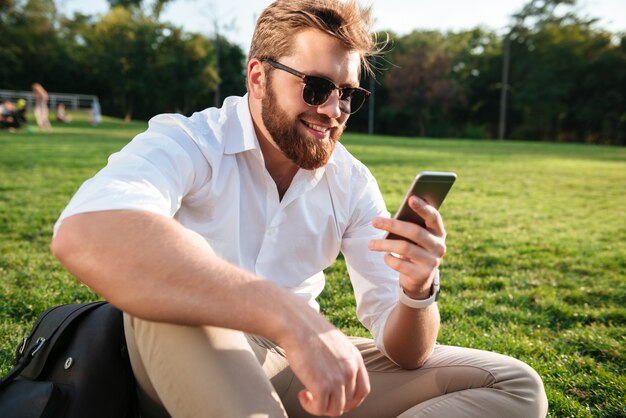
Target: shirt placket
{"type": "Point", "coordinates": [276, 211]}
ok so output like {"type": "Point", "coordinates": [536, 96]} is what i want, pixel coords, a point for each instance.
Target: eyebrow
{"type": "Point", "coordinates": [301, 74]}
{"type": "Point", "coordinates": [344, 85]}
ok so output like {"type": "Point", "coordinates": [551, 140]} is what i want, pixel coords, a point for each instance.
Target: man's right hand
{"type": "Point", "coordinates": [151, 267]}
{"type": "Point", "coordinates": [332, 371]}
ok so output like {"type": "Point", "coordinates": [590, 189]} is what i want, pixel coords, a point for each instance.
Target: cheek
{"type": "Point", "coordinates": [287, 95]}
{"type": "Point", "coordinates": [291, 101]}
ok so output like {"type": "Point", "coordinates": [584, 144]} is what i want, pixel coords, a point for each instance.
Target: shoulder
{"type": "Point", "coordinates": [208, 125]}
{"type": "Point", "coordinates": [351, 181]}
{"type": "Point", "coordinates": [346, 167]}
{"type": "Point", "coordinates": [206, 131]}
{"type": "Point", "coordinates": [354, 188]}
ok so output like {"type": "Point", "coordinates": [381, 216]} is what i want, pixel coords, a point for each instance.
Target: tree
{"type": "Point", "coordinates": [186, 71]}
{"type": "Point", "coordinates": [598, 100]}
{"type": "Point", "coordinates": [420, 88]}
{"type": "Point", "coordinates": [562, 85]}
{"type": "Point", "coordinates": [9, 50]}
{"type": "Point", "coordinates": [232, 67]}
{"type": "Point", "coordinates": [121, 49]}
{"type": "Point", "coordinates": [31, 42]}
{"type": "Point", "coordinates": [125, 3]}
{"type": "Point", "coordinates": [157, 5]}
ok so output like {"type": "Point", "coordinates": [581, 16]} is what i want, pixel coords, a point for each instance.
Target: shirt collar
{"type": "Point", "coordinates": [245, 139]}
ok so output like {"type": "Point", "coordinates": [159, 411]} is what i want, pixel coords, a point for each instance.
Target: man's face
{"type": "Point", "coordinates": [307, 134]}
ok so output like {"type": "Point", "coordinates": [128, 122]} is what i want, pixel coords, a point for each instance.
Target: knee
{"type": "Point", "coordinates": [531, 391]}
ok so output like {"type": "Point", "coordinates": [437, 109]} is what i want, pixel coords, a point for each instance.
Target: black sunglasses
{"type": "Point", "coordinates": [317, 90]}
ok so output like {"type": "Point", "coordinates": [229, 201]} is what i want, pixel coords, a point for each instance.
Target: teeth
{"type": "Point", "coordinates": [316, 127]}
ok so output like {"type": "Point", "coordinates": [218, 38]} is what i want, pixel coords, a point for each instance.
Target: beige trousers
{"type": "Point", "coordinates": [197, 372]}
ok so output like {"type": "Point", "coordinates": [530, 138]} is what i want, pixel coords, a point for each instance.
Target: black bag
{"type": "Point", "coordinates": [74, 364]}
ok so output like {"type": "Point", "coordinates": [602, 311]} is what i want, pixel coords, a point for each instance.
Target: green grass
{"type": "Point", "coordinates": [536, 257]}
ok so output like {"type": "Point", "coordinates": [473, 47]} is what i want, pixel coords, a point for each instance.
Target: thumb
{"type": "Point", "coordinates": [306, 400]}
{"type": "Point", "coordinates": [305, 397]}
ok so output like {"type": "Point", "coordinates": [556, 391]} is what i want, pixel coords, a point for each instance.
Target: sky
{"type": "Point", "coordinates": [235, 18]}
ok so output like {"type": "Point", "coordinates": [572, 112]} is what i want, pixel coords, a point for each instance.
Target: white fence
{"type": "Point", "coordinates": [72, 101]}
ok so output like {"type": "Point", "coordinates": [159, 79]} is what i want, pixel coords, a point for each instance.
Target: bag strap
{"type": "Point", "coordinates": [48, 326]}
{"type": "Point", "coordinates": [23, 362]}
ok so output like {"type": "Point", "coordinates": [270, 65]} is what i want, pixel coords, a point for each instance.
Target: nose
{"type": "Point", "coordinates": [331, 107]}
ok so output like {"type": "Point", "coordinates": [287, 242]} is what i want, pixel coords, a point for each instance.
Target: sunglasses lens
{"type": "Point", "coordinates": [351, 100]}
{"type": "Point", "coordinates": [317, 90]}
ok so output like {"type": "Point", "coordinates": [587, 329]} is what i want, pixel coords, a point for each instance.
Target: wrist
{"type": "Point", "coordinates": [298, 322]}
{"type": "Point", "coordinates": [419, 294]}
{"type": "Point", "coordinates": [422, 300]}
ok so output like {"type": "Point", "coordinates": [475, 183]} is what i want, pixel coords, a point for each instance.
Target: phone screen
{"type": "Point", "coordinates": [431, 186]}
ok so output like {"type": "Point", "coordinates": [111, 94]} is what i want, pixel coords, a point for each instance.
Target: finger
{"type": "Point", "coordinates": [412, 232]}
{"type": "Point", "coordinates": [361, 388]}
{"type": "Point", "coordinates": [330, 404]}
{"type": "Point", "coordinates": [336, 402]}
{"type": "Point", "coordinates": [306, 401]}
{"type": "Point", "coordinates": [404, 229]}
{"type": "Point", "coordinates": [412, 269]}
{"type": "Point", "coordinates": [350, 389]}
{"type": "Point", "coordinates": [312, 404]}
{"type": "Point", "coordinates": [434, 247]}
{"type": "Point", "coordinates": [351, 378]}
{"type": "Point", "coordinates": [431, 216]}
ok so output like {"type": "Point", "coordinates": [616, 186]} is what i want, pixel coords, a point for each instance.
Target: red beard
{"type": "Point", "coordinates": [306, 152]}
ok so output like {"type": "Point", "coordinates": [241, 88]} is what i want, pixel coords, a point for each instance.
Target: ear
{"type": "Point", "coordinates": [256, 78]}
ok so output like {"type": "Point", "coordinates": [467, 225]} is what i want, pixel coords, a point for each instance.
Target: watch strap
{"type": "Point", "coordinates": [420, 303]}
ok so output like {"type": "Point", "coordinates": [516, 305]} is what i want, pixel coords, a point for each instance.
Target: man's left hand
{"type": "Point", "coordinates": [418, 256]}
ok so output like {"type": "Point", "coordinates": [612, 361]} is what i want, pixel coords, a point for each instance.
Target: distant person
{"type": "Point", "coordinates": [21, 110]}
{"type": "Point", "coordinates": [96, 114]}
{"type": "Point", "coordinates": [40, 95]}
{"type": "Point", "coordinates": [10, 117]}
{"type": "Point", "coordinates": [61, 116]}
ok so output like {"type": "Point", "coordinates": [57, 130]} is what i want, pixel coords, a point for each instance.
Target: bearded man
{"type": "Point", "coordinates": [212, 232]}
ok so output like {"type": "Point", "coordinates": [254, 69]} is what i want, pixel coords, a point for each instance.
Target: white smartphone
{"type": "Point", "coordinates": [431, 186]}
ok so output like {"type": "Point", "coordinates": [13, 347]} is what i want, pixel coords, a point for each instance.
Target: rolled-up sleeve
{"type": "Point", "coordinates": [375, 284]}
{"type": "Point", "coordinates": [152, 173]}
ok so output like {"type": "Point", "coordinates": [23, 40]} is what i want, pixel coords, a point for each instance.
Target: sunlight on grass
{"type": "Point", "coordinates": [535, 266]}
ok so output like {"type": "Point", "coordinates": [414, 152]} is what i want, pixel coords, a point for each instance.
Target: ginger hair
{"type": "Point", "coordinates": [282, 20]}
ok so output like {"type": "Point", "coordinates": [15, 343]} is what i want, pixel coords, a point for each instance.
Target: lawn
{"type": "Point", "coordinates": [536, 263]}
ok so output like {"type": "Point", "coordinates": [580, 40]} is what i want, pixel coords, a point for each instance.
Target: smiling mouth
{"type": "Point", "coordinates": [317, 128]}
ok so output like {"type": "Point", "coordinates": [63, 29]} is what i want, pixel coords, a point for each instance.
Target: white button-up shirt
{"type": "Point", "coordinates": [207, 171]}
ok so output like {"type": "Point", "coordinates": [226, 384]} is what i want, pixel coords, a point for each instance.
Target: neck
{"type": "Point", "coordinates": [281, 169]}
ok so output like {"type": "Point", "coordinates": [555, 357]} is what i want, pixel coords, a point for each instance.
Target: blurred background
{"type": "Point", "coordinates": [546, 70]}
